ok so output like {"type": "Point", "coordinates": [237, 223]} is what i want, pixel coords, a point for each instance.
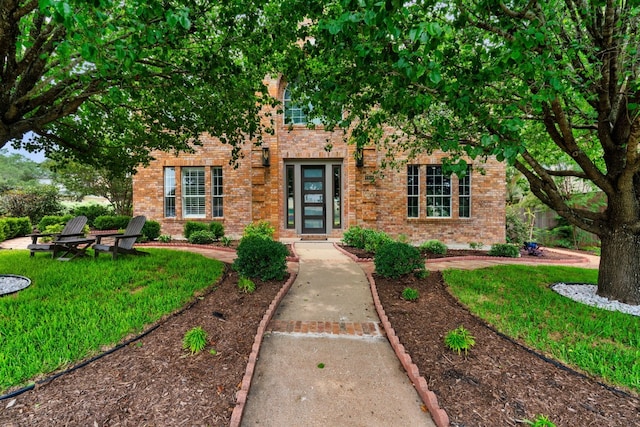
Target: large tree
{"type": "Point", "coordinates": [166, 70]}
{"type": "Point", "coordinates": [511, 79]}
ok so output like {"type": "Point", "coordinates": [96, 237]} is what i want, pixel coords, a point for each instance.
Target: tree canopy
{"type": "Point", "coordinates": [537, 84]}
{"type": "Point", "coordinates": [100, 81]}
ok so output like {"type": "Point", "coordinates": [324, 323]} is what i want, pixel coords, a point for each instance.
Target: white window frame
{"type": "Point", "coordinates": [169, 192]}
{"type": "Point", "coordinates": [438, 192]}
{"type": "Point", "coordinates": [193, 192]}
{"type": "Point", "coordinates": [413, 189]}
{"type": "Point", "coordinates": [217, 192]}
{"type": "Point", "coordinates": [464, 193]}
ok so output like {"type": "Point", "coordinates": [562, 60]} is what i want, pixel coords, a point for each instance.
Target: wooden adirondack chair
{"type": "Point", "coordinates": [122, 242]}
{"type": "Point", "coordinates": [71, 231]}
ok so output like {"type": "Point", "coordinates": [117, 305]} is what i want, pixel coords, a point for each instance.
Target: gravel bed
{"type": "Point", "coordinates": [586, 294]}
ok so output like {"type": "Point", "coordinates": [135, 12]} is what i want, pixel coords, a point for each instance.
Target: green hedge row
{"type": "Point", "coordinates": [14, 227]}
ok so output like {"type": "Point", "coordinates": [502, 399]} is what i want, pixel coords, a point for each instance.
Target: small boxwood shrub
{"type": "Point", "coordinates": [217, 229]}
{"type": "Point", "coordinates": [262, 258]}
{"type": "Point", "coordinates": [202, 237]}
{"type": "Point", "coordinates": [374, 239]}
{"type": "Point", "coordinates": [261, 229]}
{"type": "Point", "coordinates": [505, 250]}
{"type": "Point", "coordinates": [48, 220]}
{"type": "Point", "coordinates": [434, 247]}
{"type": "Point", "coordinates": [395, 259]}
{"type": "Point", "coordinates": [150, 230]}
{"type": "Point", "coordinates": [92, 212]}
{"type": "Point", "coordinates": [354, 236]}
{"type": "Point", "coordinates": [192, 226]}
{"type": "Point", "coordinates": [111, 222]}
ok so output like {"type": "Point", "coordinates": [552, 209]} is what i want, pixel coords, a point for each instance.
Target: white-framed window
{"type": "Point", "coordinates": [169, 192]}
{"type": "Point", "coordinates": [217, 193]}
{"type": "Point", "coordinates": [438, 193]}
{"type": "Point", "coordinates": [293, 114]}
{"type": "Point", "coordinates": [413, 191]}
{"type": "Point", "coordinates": [193, 192]}
{"type": "Point", "coordinates": [464, 195]}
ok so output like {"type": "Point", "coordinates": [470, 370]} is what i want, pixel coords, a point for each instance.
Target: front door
{"type": "Point", "coordinates": [313, 200]}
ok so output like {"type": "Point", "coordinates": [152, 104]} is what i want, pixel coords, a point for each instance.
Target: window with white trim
{"type": "Point", "coordinates": [293, 114]}
{"type": "Point", "coordinates": [438, 193]}
{"type": "Point", "coordinates": [170, 192]}
{"type": "Point", "coordinates": [464, 195]}
{"type": "Point", "coordinates": [413, 191]}
{"type": "Point", "coordinates": [193, 192]}
{"type": "Point", "coordinates": [216, 192]}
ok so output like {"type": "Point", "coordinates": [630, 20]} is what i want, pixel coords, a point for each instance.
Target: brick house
{"type": "Point", "coordinates": [299, 187]}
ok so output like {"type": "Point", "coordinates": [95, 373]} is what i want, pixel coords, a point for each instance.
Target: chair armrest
{"type": "Point", "coordinates": [124, 236]}
{"type": "Point", "coordinates": [36, 236]}
{"type": "Point", "coordinates": [100, 236]}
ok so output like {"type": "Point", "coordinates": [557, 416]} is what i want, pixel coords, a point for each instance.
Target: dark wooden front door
{"type": "Point", "coordinates": [313, 200]}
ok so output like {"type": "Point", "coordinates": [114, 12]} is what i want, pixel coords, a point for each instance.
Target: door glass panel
{"type": "Point", "coordinates": [313, 185]}
{"type": "Point", "coordinates": [313, 210]}
{"type": "Point", "coordinates": [313, 173]}
{"type": "Point", "coordinates": [313, 223]}
{"type": "Point", "coordinates": [313, 198]}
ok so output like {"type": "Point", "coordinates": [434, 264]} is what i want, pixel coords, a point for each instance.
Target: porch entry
{"type": "Point", "coordinates": [314, 197]}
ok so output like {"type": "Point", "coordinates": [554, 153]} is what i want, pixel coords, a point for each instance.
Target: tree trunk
{"type": "Point", "coordinates": [619, 276]}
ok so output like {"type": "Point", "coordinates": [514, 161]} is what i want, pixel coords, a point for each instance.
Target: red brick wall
{"type": "Point", "coordinates": [253, 192]}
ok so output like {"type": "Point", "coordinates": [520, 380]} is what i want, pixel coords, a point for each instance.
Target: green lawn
{"type": "Point", "coordinates": [74, 309]}
{"type": "Point", "coordinates": [518, 302]}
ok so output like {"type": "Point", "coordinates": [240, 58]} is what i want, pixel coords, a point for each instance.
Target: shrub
{"type": "Point", "coordinates": [3, 230]}
{"type": "Point", "coordinates": [195, 340]}
{"type": "Point", "coordinates": [202, 237]}
{"type": "Point", "coordinates": [434, 247]}
{"type": "Point", "coordinates": [49, 220]}
{"type": "Point", "coordinates": [164, 238]}
{"type": "Point", "coordinates": [92, 212]}
{"type": "Point", "coordinates": [459, 339]}
{"type": "Point", "coordinates": [246, 285]}
{"type": "Point", "coordinates": [15, 227]}
{"type": "Point", "coordinates": [217, 229]}
{"type": "Point", "coordinates": [261, 229]}
{"type": "Point", "coordinates": [51, 229]}
{"type": "Point", "coordinates": [354, 236]}
{"type": "Point", "coordinates": [507, 250]}
{"type": "Point", "coordinates": [111, 222]}
{"type": "Point", "coordinates": [261, 257]}
{"type": "Point", "coordinates": [34, 202]}
{"type": "Point", "coordinates": [374, 239]}
{"type": "Point", "coordinates": [192, 226]}
{"type": "Point", "coordinates": [150, 230]}
{"type": "Point", "coordinates": [476, 245]}
{"type": "Point", "coordinates": [395, 259]}
{"type": "Point", "coordinates": [410, 294]}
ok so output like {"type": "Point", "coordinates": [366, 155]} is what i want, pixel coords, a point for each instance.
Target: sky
{"type": "Point", "coordinates": [36, 157]}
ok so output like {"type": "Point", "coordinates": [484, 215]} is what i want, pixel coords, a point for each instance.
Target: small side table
{"type": "Point", "coordinates": [72, 248]}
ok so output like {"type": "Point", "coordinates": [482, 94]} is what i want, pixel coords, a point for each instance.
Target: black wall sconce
{"type": "Point", "coordinates": [266, 157]}
{"type": "Point", "coordinates": [359, 157]}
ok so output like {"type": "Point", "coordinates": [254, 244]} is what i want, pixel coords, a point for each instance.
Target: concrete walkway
{"type": "Point", "coordinates": [324, 360]}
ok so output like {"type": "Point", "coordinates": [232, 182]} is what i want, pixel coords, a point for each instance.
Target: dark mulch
{"type": "Point", "coordinates": [451, 253]}
{"type": "Point", "coordinates": [499, 383]}
{"type": "Point", "coordinates": [153, 381]}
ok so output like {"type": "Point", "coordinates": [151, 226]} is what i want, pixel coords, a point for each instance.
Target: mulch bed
{"type": "Point", "coordinates": [453, 253]}
{"type": "Point", "coordinates": [153, 381]}
{"type": "Point", "coordinates": [499, 383]}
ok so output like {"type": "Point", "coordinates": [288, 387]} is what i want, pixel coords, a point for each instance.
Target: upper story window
{"type": "Point", "coordinates": [193, 192]}
{"type": "Point", "coordinates": [438, 193]}
{"type": "Point", "coordinates": [294, 114]}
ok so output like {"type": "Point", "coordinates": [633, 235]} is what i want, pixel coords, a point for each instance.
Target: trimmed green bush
{"type": "Point", "coordinates": [202, 237]}
{"type": "Point", "coordinates": [261, 229]}
{"type": "Point", "coordinates": [354, 236]}
{"type": "Point", "coordinates": [410, 294]}
{"type": "Point", "coordinates": [434, 247]}
{"type": "Point", "coordinates": [262, 258]}
{"type": "Point", "coordinates": [92, 212]}
{"type": "Point", "coordinates": [111, 222]}
{"type": "Point", "coordinates": [150, 230]}
{"type": "Point", "coordinates": [217, 229]}
{"type": "Point", "coordinates": [505, 250]}
{"type": "Point", "coordinates": [192, 226]}
{"type": "Point", "coordinates": [49, 220]}
{"type": "Point", "coordinates": [374, 239]}
{"type": "Point", "coordinates": [14, 227]}
{"type": "Point", "coordinates": [395, 259]}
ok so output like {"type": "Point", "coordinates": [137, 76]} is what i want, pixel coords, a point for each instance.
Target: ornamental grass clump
{"type": "Point", "coordinates": [246, 285]}
{"type": "Point", "coordinates": [459, 340]}
{"type": "Point", "coordinates": [395, 259]}
{"type": "Point", "coordinates": [195, 340]}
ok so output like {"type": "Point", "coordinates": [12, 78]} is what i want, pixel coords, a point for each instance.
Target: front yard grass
{"type": "Point", "coordinates": [518, 302]}
{"type": "Point", "coordinates": [74, 310]}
